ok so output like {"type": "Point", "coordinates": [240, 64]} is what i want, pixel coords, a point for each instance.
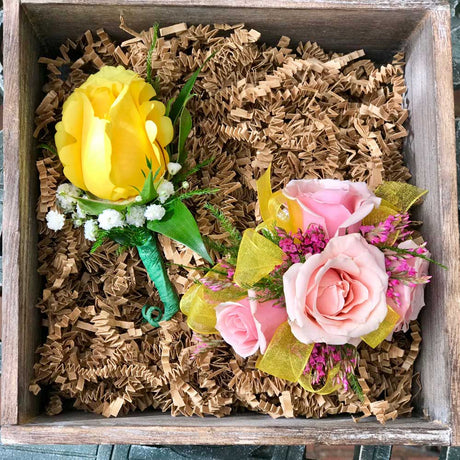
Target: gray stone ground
{"type": "Point", "coordinates": [133, 452]}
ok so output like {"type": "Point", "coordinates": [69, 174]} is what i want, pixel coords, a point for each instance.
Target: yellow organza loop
{"type": "Point", "coordinates": [271, 205]}
{"type": "Point", "coordinates": [380, 214]}
{"type": "Point", "coordinates": [286, 359]}
{"type": "Point", "coordinates": [201, 315]}
{"type": "Point", "coordinates": [264, 193]}
{"type": "Point", "coordinates": [257, 257]}
{"type": "Point", "coordinates": [401, 195]}
{"type": "Point", "coordinates": [199, 303]}
{"type": "Point", "coordinates": [285, 356]}
{"type": "Point", "coordinates": [397, 197]}
{"type": "Point", "coordinates": [328, 388]}
{"type": "Point", "coordinates": [376, 337]}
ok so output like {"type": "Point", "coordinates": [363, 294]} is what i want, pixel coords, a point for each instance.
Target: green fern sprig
{"type": "Point", "coordinates": [150, 52]}
{"type": "Point", "coordinates": [192, 193]}
{"type": "Point", "coordinates": [181, 177]}
{"type": "Point", "coordinates": [225, 223]}
{"type": "Point", "coordinates": [355, 386]}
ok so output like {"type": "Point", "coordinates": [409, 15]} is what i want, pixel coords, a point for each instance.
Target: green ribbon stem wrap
{"type": "Point", "coordinates": [152, 259]}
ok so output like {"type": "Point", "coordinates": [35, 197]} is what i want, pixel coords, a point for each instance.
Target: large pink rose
{"type": "Point", "coordinates": [248, 325]}
{"type": "Point", "coordinates": [338, 206]}
{"type": "Point", "coordinates": [411, 299]}
{"type": "Point", "coordinates": [339, 295]}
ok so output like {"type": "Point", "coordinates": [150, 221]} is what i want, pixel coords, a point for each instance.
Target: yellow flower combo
{"type": "Point", "coordinates": [332, 264]}
{"type": "Point", "coordinates": [110, 125]}
{"type": "Point", "coordinates": [116, 143]}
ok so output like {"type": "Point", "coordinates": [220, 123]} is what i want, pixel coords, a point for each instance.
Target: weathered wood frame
{"type": "Point", "coordinates": [381, 27]}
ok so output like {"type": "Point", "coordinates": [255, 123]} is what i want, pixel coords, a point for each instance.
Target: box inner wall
{"type": "Point", "coordinates": [380, 33]}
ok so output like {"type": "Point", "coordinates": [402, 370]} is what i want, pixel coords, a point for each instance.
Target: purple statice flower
{"type": "Point", "coordinates": [302, 243]}
{"type": "Point", "coordinates": [203, 344]}
{"type": "Point", "coordinates": [325, 357]}
{"type": "Point", "coordinates": [400, 270]}
{"type": "Point", "coordinates": [393, 229]}
{"type": "Point", "coordinates": [226, 266]}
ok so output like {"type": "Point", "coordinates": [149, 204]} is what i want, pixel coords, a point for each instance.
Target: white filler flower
{"type": "Point", "coordinates": [65, 196]}
{"type": "Point", "coordinates": [174, 168]}
{"type": "Point", "coordinates": [165, 190]}
{"type": "Point", "coordinates": [91, 230]}
{"type": "Point", "coordinates": [80, 213]}
{"type": "Point", "coordinates": [55, 220]}
{"type": "Point", "coordinates": [109, 218]}
{"type": "Point", "coordinates": [135, 216]}
{"type": "Point", "coordinates": [154, 212]}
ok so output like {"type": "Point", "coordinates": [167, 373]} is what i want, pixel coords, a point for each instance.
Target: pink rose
{"type": "Point", "coordinates": [338, 206]}
{"type": "Point", "coordinates": [248, 325]}
{"type": "Point", "coordinates": [339, 295]}
{"type": "Point", "coordinates": [411, 299]}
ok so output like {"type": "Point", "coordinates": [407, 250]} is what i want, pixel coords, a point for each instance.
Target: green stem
{"type": "Point", "coordinates": [153, 262]}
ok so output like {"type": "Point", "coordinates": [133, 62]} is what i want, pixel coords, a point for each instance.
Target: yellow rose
{"type": "Point", "coordinates": [109, 127]}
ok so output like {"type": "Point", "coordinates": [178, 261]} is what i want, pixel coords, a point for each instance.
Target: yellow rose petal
{"type": "Point", "coordinates": [130, 145]}
{"type": "Point", "coordinates": [96, 154]}
{"type": "Point", "coordinates": [165, 128]}
{"type": "Point", "coordinates": [101, 100]}
{"type": "Point", "coordinates": [68, 139]}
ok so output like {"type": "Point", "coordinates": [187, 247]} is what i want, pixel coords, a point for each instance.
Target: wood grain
{"type": "Point", "coordinates": [430, 153]}
{"type": "Point", "coordinates": [326, 4]}
{"type": "Point", "coordinates": [381, 27]}
{"type": "Point", "coordinates": [338, 29]}
{"type": "Point", "coordinates": [21, 325]}
{"type": "Point", "coordinates": [239, 430]}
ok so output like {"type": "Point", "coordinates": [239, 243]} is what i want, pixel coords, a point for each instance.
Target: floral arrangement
{"type": "Point", "coordinates": [116, 143]}
{"type": "Point", "coordinates": [332, 264]}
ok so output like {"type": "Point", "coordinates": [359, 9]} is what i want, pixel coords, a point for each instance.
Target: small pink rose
{"type": "Point", "coordinates": [248, 325]}
{"type": "Point", "coordinates": [339, 295]}
{"type": "Point", "coordinates": [338, 206]}
{"type": "Point", "coordinates": [411, 299]}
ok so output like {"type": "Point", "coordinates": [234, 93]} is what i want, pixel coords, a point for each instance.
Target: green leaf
{"type": "Point", "coordinates": [180, 225]}
{"type": "Point", "coordinates": [150, 52]}
{"type": "Point", "coordinates": [181, 177]}
{"type": "Point", "coordinates": [182, 98]}
{"type": "Point", "coordinates": [50, 148]}
{"type": "Point", "coordinates": [185, 126]}
{"type": "Point", "coordinates": [148, 192]}
{"type": "Point", "coordinates": [95, 207]}
{"type": "Point", "coordinates": [168, 107]}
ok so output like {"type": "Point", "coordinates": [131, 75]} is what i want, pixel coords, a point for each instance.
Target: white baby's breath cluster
{"type": "Point", "coordinates": [135, 216]}
{"type": "Point", "coordinates": [110, 218]}
{"type": "Point", "coordinates": [91, 230]}
{"type": "Point", "coordinates": [55, 220]}
{"type": "Point", "coordinates": [154, 212]}
{"type": "Point", "coordinates": [165, 190]}
{"type": "Point", "coordinates": [65, 196]}
{"type": "Point", "coordinates": [138, 214]}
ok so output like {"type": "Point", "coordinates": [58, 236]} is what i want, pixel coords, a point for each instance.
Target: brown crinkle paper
{"type": "Point", "coordinates": [309, 112]}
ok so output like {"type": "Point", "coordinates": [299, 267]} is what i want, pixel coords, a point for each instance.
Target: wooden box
{"type": "Point", "coordinates": [381, 27]}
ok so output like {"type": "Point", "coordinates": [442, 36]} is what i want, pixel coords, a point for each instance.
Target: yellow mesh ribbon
{"type": "Point", "coordinates": [328, 388]}
{"type": "Point", "coordinates": [285, 357]}
{"type": "Point", "coordinates": [376, 337]}
{"type": "Point", "coordinates": [201, 315]}
{"type": "Point", "coordinates": [401, 195]}
{"type": "Point", "coordinates": [264, 194]}
{"type": "Point", "coordinates": [199, 303]}
{"type": "Point", "coordinates": [397, 197]}
{"type": "Point", "coordinates": [257, 257]}
{"type": "Point", "coordinates": [271, 203]}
